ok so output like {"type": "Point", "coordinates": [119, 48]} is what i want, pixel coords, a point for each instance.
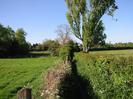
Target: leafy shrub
{"type": "Point", "coordinates": [67, 51]}
{"type": "Point", "coordinates": [52, 46]}
{"type": "Point", "coordinates": [111, 77]}
{"type": "Point", "coordinates": [54, 51]}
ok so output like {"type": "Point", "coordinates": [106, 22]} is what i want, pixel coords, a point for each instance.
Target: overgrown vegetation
{"type": "Point", "coordinates": [67, 51]}
{"type": "Point", "coordinates": [53, 80]}
{"type": "Point", "coordinates": [73, 85]}
{"type": "Point", "coordinates": [110, 76]}
{"type": "Point", "coordinates": [56, 76]}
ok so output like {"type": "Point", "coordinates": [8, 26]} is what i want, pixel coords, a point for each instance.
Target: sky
{"type": "Point", "coordinates": [40, 18]}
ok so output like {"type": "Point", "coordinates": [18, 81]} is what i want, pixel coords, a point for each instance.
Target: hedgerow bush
{"type": "Point", "coordinates": [53, 80]}
{"type": "Point", "coordinates": [110, 77]}
{"type": "Point", "coordinates": [52, 46]}
{"type": "Point", "coordinates": [67, 51]}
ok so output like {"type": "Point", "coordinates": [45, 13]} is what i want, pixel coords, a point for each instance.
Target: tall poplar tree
{"type": "Point", "coordinates": [84, 17]}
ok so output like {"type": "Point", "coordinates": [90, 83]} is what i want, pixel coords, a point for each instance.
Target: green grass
{"type": "Point", "coordinates": [110, 73]}
{"type": "Point", "coordinates": [20, 72]}
{"type": "Point", "coordinates": [17, 73]}
{"type": "Point", "coordinates": [114, 52]}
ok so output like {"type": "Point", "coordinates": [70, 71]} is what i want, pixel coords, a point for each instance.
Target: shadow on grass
{"type": "Point", "coordinates": [75, 86]}
{"type": "Point", "coordinates": [28, 55]}
{"type": "Point", "coordinates": [34, 55]}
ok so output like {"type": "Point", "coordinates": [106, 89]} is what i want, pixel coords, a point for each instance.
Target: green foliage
{"type": "Point", "coordinates": [53, 47]}
{"type": "Point", "coordinates": [7, 38]}
{"type": "Point", "coordinates": [67, 51]}
{"type": "Point", "coordinates": [17, 73]}
{"type": "Point", "coordinates": [99, 36]}
{"type": "Point", "coordinates": [129, 44]}
{"type": "Point", "coordinates": [85, 19]}
{"type": "Point", "coordinates": [48, 45]}
{"type": "Point", "coordinates": [12, 43]}
{"type": "Point", "coordinates": [20, 38]}
{"type": "Point", "coordinates": [110, 76]}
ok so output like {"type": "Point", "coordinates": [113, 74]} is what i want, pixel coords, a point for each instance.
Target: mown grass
{"type": "Point", "coordinates": [110, 73]}
{"type": "Point", "coordinates": [17, 73]}
{"type": "Point", "coordinates": [113, 52]}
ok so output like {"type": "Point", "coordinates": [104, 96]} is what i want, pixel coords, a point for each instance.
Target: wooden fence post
{"type": "Point", "coordinates": [24, 93]}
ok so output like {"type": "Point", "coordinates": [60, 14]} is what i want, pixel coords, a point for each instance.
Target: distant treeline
{"type": "Point", "coordinates": [52, 44]}
{"type": "Point", "coordinates": [11, 42]}
{"type": "Point", "coordinates": [14, 43]}
{"type": "Point", "coordinates": [116, 46]}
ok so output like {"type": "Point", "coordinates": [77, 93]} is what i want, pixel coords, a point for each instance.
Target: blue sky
{"type": "Point", "coordinates": [39, 18]}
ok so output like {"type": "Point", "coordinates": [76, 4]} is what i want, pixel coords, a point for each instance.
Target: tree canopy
{"type": "Point", "coordinates": [84, 17]}
{"type": "Point", "coordinates": [11, 42]}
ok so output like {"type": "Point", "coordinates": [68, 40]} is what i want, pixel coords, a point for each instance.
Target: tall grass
{"type": "Point", "coordinates": [110, 76]}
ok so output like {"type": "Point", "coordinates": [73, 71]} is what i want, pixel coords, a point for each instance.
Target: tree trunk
{"type": "Point", "coordinates": [86, 48]}
{"type": "Point", "coordinates": [85, 42]}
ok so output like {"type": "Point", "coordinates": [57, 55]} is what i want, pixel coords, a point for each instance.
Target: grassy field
{"type": "Point", "coordinates": [16, 73]}
{"type": "Point", "coordinates": [110, 73]}
{"type": "Point", "coordinates": [114, 52]}
{"type": "Point", "coordinates": [20, 72]}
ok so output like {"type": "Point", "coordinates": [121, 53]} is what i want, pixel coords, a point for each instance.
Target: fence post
{"type": "Point", "coordinates": [24, 93]}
